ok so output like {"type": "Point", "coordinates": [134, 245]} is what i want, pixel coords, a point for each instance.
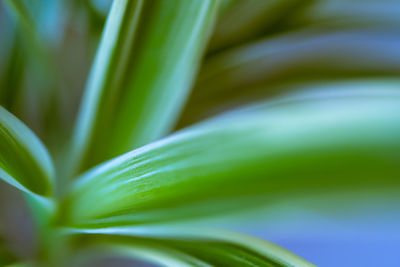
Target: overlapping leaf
{"type": "Point", "coordinates": [33, 78]}
{"type": "Point", "coordinates": [345, 136]}
{"type": "Point", "coordinates": [195, 247]}
{"type": "Point", "coordinates": [143, 70]}
{"type": "Point", "coordinates": [257, 18]}
{"type": "Point", "coordinates": [24, 161]}
{"type": "Point", "coordinates": [349, 14]}
{"type": "Point", "coordinates": [266, 68]}
{"type": "Point", "coordinates": [266, 18]}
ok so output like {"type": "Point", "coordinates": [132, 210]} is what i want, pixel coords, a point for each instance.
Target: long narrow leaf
{"type": "Point", "coordinates": [159, 255]}
{"type": "Point", "coordinates": [332, 139]}
{"type": "Point", "coordinates": [140, 78]}
{"type": "Point", "coordinates": [24, 161]}
{"type": "Point", "coordinates": [197, 247]}
{"type": "Point", "coordinates": [262, 68]}
{"type": "Point", "coordinates": [257, 18]}
{"type": "Point", "coordinates": [344, 13]}
{"type": "Point", "coordinates": [36, 44]}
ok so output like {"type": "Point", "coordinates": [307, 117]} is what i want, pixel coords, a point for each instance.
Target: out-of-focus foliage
{"type": "Point", "coordinates": [279, 64]}
{"type": "Point", "coordinates": [141, 76]}
{"type": "Point", "coordinates": [297, 97]}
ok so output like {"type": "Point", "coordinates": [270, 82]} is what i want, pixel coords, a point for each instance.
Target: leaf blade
{"type": "Point", "coordinates": [275, 65]}
{"type": "Point", "coordinates": [24, 160]}
{"type": "Point", "coordinates": [143, 83]}
{"type": "Point", "coordinates": [198, 247]}
{"type": "Point", "coordinates": [314, 141]}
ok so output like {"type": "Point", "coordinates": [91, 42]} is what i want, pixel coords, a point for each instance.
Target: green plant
{"type": "Point", "coordinates": [328, 135]}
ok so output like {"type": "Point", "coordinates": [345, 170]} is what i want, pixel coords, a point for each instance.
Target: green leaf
{"type": "Point", "coordinates": [257, 18]}
{"type": "Point", "coordinates": [21, 11]}
{"type": "Point", "coordinates": [20, 264]}
{"type": "Point", "coordinates": [24, 161]}
{"type": "Point", "coordinates": [143, 70]}
{"type": "Point", "coordinates": [6, 257]}
{"type": "Point", "coordinates": [195, 247]}
{"type": "Point", "coordinates": [159, 255]}
{"type": "Point", "coordinates": [12, 76]}
{"type": "Point", "coordinates": [350, 14]}
{"type": "Point", "coordinates": [341, 137]}
{"type": "Point", "coordinates": [37, 102]}
{"type": "Point", "coordinates": [271, 66]}
{"type": "Point", "coordinates": [267, 18]}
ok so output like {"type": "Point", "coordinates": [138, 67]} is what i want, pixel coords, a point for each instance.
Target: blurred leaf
{"type": "Point", "coordinates": [36, 36]}
{"type": "Point", "coordinates": [143, 70]}
{"type": "Point", "coordinates": [96, 18]}
{"type": "Point", "coordinates": [41, 20]}
{"type": "Point", "coordinates": [20, 264]}
{"type": "Point", "coordinates": [197, 247]}
{"type": "Point", "coordinates": [102, 6]}
{"type": "Point", "coordinates": [257, 18]}
{"type": "Point", "coordinates": [24, 161]}
{"type": "Point", "coordinates": [12, 78]}
{"type": "Point", "coordinates": [21, 11]}
{"type": "Point", "coordinates": [352, 14]}
{"type": "Point", "coordinates": [268, 67]}
{"type": "Point", "coordinates": [342, 137]}
{"type": "Point", "coordinates": [263, 18]}
{"type": "Point", "coordinates": [6, 257]}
